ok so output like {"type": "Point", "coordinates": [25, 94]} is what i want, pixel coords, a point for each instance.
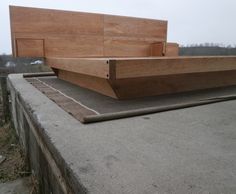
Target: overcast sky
{"type": "Point", "coordinates": [189, 21]}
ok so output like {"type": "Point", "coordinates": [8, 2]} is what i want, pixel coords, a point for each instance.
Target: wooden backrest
{"type": "Point", "coordinates": [52, 33]}
{"type": "Point", "coordinates": [172, 49]}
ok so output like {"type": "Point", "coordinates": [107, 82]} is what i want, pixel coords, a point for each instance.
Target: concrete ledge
{"type": "Point", "coordinates": [31, 113]}
{"type": "Point", "coordinates": [184, 151]}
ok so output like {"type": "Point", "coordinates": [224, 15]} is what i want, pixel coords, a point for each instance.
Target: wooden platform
{"type": "Point", "coordinates": [118, 56]}
{"type": "Point", "coordinates": [124, 78]}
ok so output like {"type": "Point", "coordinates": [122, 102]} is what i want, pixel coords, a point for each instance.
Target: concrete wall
{"type": "Point", "coordinates": [52, 174]}
{"type": "Point", "coordinates": [188, 150]}
{"type": "Point", "coordinates": [35, 157]}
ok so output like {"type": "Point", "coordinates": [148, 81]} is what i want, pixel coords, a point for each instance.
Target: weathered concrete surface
{"type": "Point", "coordinates": [19, 186]}
{"type": "Point", "coordinates": [184, 151]}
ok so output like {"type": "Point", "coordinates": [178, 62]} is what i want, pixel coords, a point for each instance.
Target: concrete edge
{"type": "Point", "coordinates": [69, 182]}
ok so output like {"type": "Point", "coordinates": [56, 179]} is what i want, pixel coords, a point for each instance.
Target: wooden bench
{"type": "Point", "coordinates": [121, 57]}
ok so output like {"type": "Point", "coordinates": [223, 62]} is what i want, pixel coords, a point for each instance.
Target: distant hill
{"type": "Point", "coordinates": [206, 51]}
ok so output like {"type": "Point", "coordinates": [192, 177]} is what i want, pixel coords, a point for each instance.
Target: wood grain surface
{"type": "Point", "coordinates": [172, 49]}
{"type": "Point", "coordinates": [78, 34]}
{"type": "Point", "coordinates": [131, 78]}
{"type": "Point", "coordinates": [144, 67]}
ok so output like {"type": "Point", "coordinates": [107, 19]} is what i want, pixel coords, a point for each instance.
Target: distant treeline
{"type": "Point", "coordinates": [207, 49]}
{"type": "Point", "coordinates": [9, 64]}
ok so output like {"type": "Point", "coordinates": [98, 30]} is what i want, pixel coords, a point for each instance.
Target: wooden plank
{"type": "Point", "coordinates": [30, 48]}
{"type": "Point", "coordinates": [31, 20]}
{"type": "Point", "coordinates": [157, 49]}
{"type": "Point", "coordinates": [97, 84]}
{"type": "Point", "coordinates": [142, 67]}
{"type": "Point", "coordinates": [74, 46]}
{"type": "Point", "coordinates": [172, 49]}
{"type": "Point", "coordinates": [131, 37]}
{"type": "Point", "coordinates": [59, 45]}
{"type": "Point", "coordinates": [127, 46]}
{"type": "Point", "coordinates": [97, 67]}
{"type": "Point", "coordinates": [157, 85]}
{"type": "Point", "coordinates": [134, 27]}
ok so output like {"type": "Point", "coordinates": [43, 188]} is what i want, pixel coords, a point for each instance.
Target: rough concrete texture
{"type": "Point", "coordinates": [183, 151]}
{"type": "Point", "coordinates": [19, 186]}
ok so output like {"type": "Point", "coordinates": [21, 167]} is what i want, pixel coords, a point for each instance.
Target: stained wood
{"type": "Point", "coordinates": [159, 75]}
{"type": "Point", "coordinates": [59, 45]}
{"type": "Point", "coordinates": [74, 46]}
{"type": "Point", "coordinates": [31, 20]}
{"type": "Point", "coordinates": [127, 46]}
{"type": "Point", "coordinates": [77, 34]}
{"type": "Point", "coordinates": [57, 35]}
{"type": "Point", "coordinates": [134, 27]}
{"type": "Point", "coordinates": [65, 33]}
{"type": "Point", "coordinates": [144, 67]}
{"type": "Point", "coordinates": [172, 49]}
{"type": "Point", "coordinates": [151, 86]}
{"type": "Point", "coordinates": [157, 49]}
{"type": "Point", "coordinates": [157, 85]}
{"type": "Point", "coordinates": [98, 68]}
{"type": "Point", "coordinates": [30, 47]}
{"type": "Point", "coordinates": [97, 84]}
{"type": "Point", "coordinates": [131, 37]}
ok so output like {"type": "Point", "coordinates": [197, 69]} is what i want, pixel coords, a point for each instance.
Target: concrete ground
{"type": "Point", "coordinates": [19, 186]}
{"type": "Point", "coordinates": [190, 150]}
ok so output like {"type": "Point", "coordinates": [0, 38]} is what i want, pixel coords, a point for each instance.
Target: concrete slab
{"type": "Point", "coordinates": [19, 186]}
{"type": "Point", "coordinates": [184, 151]}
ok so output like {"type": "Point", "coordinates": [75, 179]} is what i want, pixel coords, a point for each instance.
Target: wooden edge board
{"type": "Point", "coordinates": [136, 58]}
{"type": "Point", "coordinates": [120, 68]}
{"type": "Point", "coordinates": [146, 67]}
{"type": "Point", "coordinates": [97, 84]}
{"type": "Point", "coordinates": [97, 68]}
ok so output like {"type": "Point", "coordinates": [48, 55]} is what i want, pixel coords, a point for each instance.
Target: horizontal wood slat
{"type": "Point", "coordinates": [30, 47]}
{"type": "Point", "coordinates": [132, 68]}
{"type": "Point", "coordinates": [74, 46]}
{"type": "Point", "coordinates": [172, 49]}
{"type": "Point", "coordinates": [167, 84]}
{"type": "Point", "coordinates": [127, 46]}
{"type": "Point", "coordinates": [98, 68]}
{"type": "Point", "coordinates": [134, 27]}
{"type": "Point", "coordinates": [31, 20]}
